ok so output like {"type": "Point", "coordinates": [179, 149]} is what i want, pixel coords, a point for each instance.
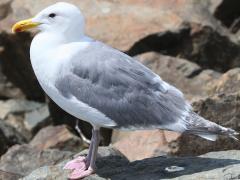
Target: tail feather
{"type": "Point", "coordinates": [210, 137]}
{"type": "Point", "coordinates": [207, 129]}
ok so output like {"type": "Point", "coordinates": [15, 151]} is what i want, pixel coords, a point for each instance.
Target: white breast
{"type": "Point", "coordinates": [46, 67]}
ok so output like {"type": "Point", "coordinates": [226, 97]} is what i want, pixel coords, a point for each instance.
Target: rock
{"type": "Point", "coordinates": [184, 75]}
{"type": "Point", "coordinates": [57, 137]}
{"type": "Point", "coordinates": [228, 12]}
{"type": "Point", "coordinates": [221, 109]}
{"type": "Point", "coordinates": [228, 83]}
{"type": "Point", "coordinates": [150, 26]}
{"type": "Point", "coordinates": [7, 89]}
{"type": "Point", "coordinates": [37, 119]}
{"type": "Point", "coordinates": [144, 18]}
{"type": "Point", "coordinates": [204, 45]}
{"type": "Point", "coordinates": [231, 171]}
{"type": "Point", "coordinates": [26, 116]}
{"type": "Point", "coordinates": [112, 13]}
{"type": "Point", "coordinates": [138, 145]}
{"type": "Point", "coordinates": [5, 8]}
{"type": "Point", "coordinates": [215, 165]}
{"type": "Point", "coordinates": [21, 160]}
{"type": "Point", "coordinates": [9, 136]}
{"type": "Point", "coordinates": [17, 106]}
{"type": "Point", "coordinates": [107, 157]}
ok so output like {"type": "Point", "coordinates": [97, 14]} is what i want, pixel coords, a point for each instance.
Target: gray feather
{"type": "Point", "coordinates": [122, 89]}
{"type": "Point", "coordinates": [209, 130]}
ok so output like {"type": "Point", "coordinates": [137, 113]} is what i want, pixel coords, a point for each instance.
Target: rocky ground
{"type": "Point", "coordinates": [192, 44]}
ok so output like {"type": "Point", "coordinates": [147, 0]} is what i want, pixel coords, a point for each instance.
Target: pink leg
{"type": "Point", "coordinates": [81, 162]}
{"type": "Point", "coordinates": [79, 173]}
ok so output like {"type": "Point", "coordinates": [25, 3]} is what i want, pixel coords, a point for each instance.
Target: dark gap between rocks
{"type": "Point", "coordinates": [200, 44]}
{"type": "Point", "coordinates": [228, 12]}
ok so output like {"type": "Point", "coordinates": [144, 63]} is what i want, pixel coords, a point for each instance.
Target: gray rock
{"type": "Point", "coordinates": [21, 160]}
{"type": "Point", "coordinates": [9, 136]}
{"type": "Point", "coordinates": [26, 116]}
{"type": "Point", "coordinates": [17, 106]}
{"type": "Point", "coordinates": [215, 165]}
{"type": "Point", "coordinates": [37, 119]}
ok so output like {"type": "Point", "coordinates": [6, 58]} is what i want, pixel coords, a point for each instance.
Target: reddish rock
{"type": "Point", "coordinates": [137, 145]}
{"type": "Point", "coordinates": [123, 22]}
{"type": "Point", "coordinates": [57, 137]}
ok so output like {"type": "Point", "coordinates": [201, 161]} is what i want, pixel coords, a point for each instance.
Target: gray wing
{"type": "Point", "coordinates": [123, 89]}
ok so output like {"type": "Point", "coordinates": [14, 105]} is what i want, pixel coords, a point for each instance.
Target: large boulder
{"type": "Point", "coordinates": [186, 76]}
{"type": "Point", "coordinates": [151, 25]}
{"type": "Point", "coordinates": [127, 21]}
{"type": "Point", "coordinates": [57, 137]}
{"type": "Point", "coordinates": [212, 165]}
{"type": "Point", "coordinates": [141, 144]}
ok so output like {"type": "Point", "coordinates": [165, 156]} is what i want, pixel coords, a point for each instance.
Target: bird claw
{"type": "Point", "coordinates": [79, 174]}
{"type": "Point", "coordinates": [77, 163]}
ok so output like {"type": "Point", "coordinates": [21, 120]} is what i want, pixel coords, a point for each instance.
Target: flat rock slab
{"type": "Point", "coordinates": [215, 165]}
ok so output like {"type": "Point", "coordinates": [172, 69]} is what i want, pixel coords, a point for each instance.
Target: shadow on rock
{"type": "Point", "coordinates": [159, 167]}
{"type": "Point", "coordinates": [111, 164]}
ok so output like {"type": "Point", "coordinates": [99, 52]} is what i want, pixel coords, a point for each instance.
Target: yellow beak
{"type": "Point", "coordinates": [24, 25]}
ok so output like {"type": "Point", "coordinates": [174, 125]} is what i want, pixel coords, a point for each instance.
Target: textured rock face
{"type": "Point", "coordinates": [143, 18]}
{"type": "Point", "coordinates": [19, 161]}
{"type": "Point", "coordinates": [185, 75]}
{"type": "Point", "coordinates": [212, 165]}
{"type": "Point", "coordinates": [57, 137]}
{"type": "Point", "coordinates": [228, 83]}
{"type": "Point", "coordinates": [222, 109]}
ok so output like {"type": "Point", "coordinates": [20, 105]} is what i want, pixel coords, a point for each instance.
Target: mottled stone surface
{"type": "Point", "coordinates": [215, 165]}
{"type": "Point", "coordinates": [20, 160]}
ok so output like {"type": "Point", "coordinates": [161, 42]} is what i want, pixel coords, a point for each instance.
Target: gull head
{"type": "Point", "coordinates": [61, 18]}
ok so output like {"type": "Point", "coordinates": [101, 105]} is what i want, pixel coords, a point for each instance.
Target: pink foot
{"type": "Point", "coordinates": [79, 174]}
{"type": "Point", "coordinates": [79, 163]}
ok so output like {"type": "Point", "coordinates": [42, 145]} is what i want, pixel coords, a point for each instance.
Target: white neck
{"type": "Point", "coordinates": [50, 50]}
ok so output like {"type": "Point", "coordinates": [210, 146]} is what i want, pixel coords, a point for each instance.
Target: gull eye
{"type": "Point", "coordinates": [52, 15]}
